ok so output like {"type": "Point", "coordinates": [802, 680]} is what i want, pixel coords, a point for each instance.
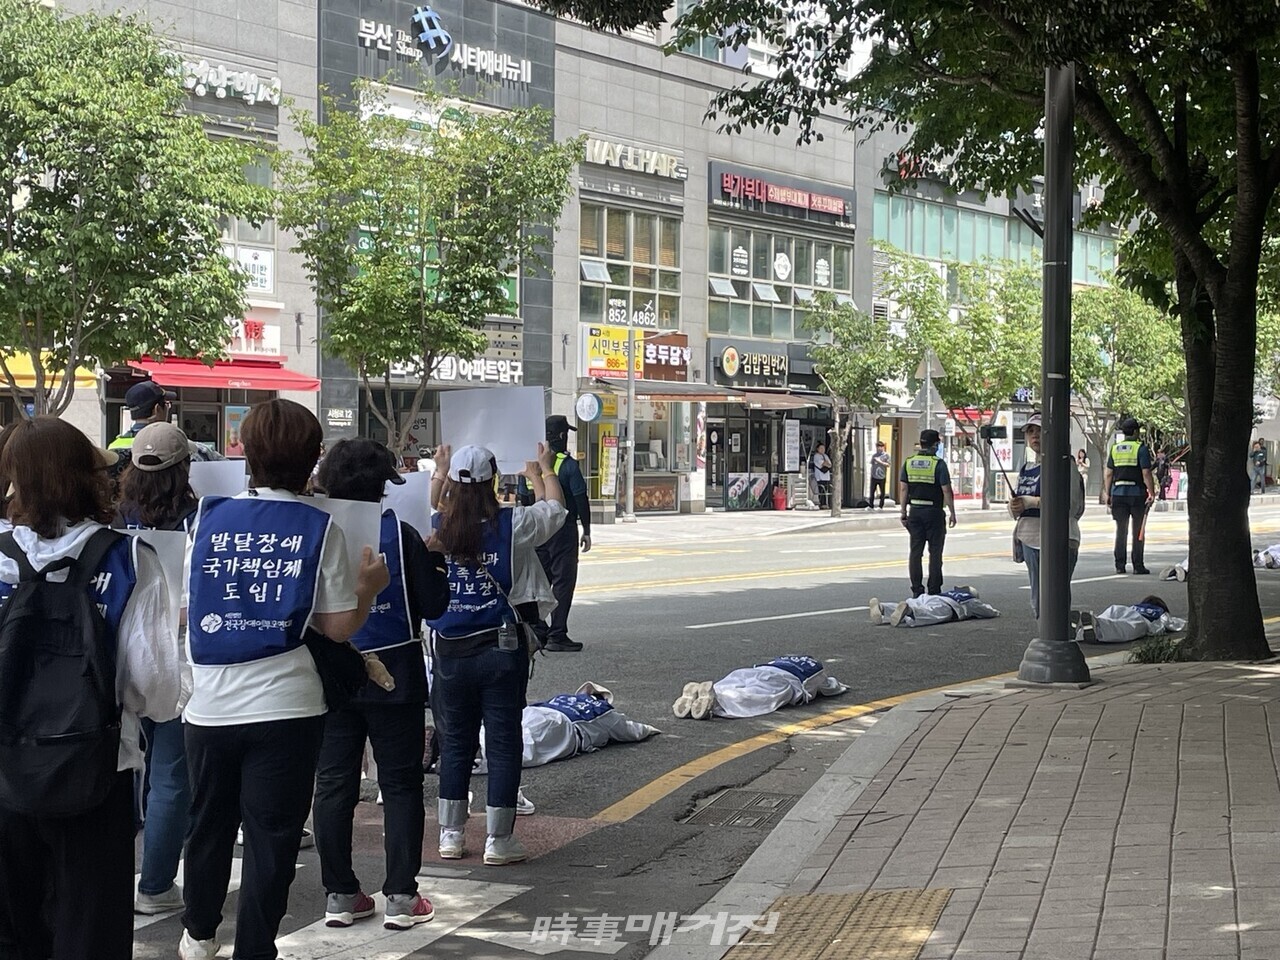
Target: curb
{"type": "Point", "coordinates": [778, 864]}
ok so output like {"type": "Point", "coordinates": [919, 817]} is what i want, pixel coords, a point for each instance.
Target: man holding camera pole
{"type": "Point", "coordinates": [924, 486]}
{"type": "Point", "coordinates": [1128, 486]}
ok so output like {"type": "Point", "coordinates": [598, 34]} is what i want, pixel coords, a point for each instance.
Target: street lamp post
{"type": "Point", "coordinates": [629, 514]}
{"type": "Point", "coordinates": [1054, 657]}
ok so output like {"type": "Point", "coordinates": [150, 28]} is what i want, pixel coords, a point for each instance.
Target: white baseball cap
{"type": "Point", "coordinates": [471, 464]}
{"type": "Point", "coordinates": [1032, 421]}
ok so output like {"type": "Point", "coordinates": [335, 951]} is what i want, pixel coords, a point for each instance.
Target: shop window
{"type": "Point", "coordinates": [766, 292]}
{"type": "Point", "coordinates": [761, 256]}
{"type": "Point", "coordinates": [740, 319]}
{"type": "Point", "coordinates": [591, 304]}
{"type": "Point", "coordinates": [803, 266]}
{"type": "Point", "coordinates": [591, 230]}
{"type": "Point", "coordinates": [898, 222]}
{"type": "Point", "coordinates": [933, 231]}
{"type": "Point", "coordinates": [618, 246]}
{"type": "Point", "coordinates": [644, 278]}
{"type": "Point", "coordinates": [880, 216]}
{"type": "Point", "coordinates": [965, 239]}
{"type": "Point", "coordinates": [762, 321]}
{"type": "Point", "coordinates": [669, 250]}
{"type": "Point", "coordinates": [669, 280]}
{"type": "Point", "coordinates": [841, 271]}
{"type": "Point", "coordinates": [783, 265]}
{"type": "Point", "coordinates": [253, 246]}
{"type": "Point", "coordinates": [594, 271]}
{"type": "Point", "coordinates": [822, 265]}
{"type": "Point", "coordinates": [740, 253]}
{"type": "Point", "coordinates": [644, 240]}
{"type": "Point", "coordinates": [620, 274]}
{"type": "Point", "coordinates": [722, 287]}
{"type": "Point", "coordinates": [804, 295]}
{"type": "Point", "coordinates": [669, 312]}
{"type": "Point", "coordinates": [718, 316]}
{"type": "Point", "coordinates": [717, 250]}
{"type": "Point", "coordinates": [782, 323]}
{"type": "Point", "coordinates": [950, 219]}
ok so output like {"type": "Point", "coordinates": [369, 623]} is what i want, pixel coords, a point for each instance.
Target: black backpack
{"type": "Point", "coordinates": [59, 717]}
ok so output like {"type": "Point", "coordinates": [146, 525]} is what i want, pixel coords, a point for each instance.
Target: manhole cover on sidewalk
{"type": "Point", "coordinates": [745, 808]}
{"type": "Point", "coordinates": [873, 925]}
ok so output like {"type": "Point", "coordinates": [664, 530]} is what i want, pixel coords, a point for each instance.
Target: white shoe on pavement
{"type": "Point", "coordinates": [684, 703]}
{"type": "Point", "coordinates": [873, 612]}
{"type": "Point", "coordinates": [705, 702]}
{"type": "Point", "coordinates": [899, 614]}
{"type": "Point", "coordinates": [452, 845]}
{"type": "Point", "coordinates": [190, 948]}
{"type": "Point", "coordinates": [524, 806]}
{"type": "Point", "coordinates": [151, 904]}
{"type": "Point", "coordinates": [499, 851]}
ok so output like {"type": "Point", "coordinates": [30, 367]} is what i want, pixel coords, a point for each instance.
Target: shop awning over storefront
{"type": "Point", "coordinates": [763, 400]}
{"type": "Point", "coordinates": [20, 367]}
{"type": "Point", "coordinates": [226, 374]}
{"type": "Point", "coordinates": [663, 391]}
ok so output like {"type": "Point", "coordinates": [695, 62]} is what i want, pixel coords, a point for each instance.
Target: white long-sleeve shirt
{"type": "Point", "coordinates": [149, 674]}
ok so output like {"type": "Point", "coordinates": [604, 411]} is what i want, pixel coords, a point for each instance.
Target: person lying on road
{"type": "Point", "coordinates": [1149, 617]}
{"type": "Point", "coordinates": [759, 690]}
{"type": "Point", "coordinates": [959, 603]}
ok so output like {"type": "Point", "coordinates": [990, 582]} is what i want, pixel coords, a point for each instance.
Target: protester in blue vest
{"type": "Point", "coordinates": [268, 572]}
{"type": "Point", "coordinates": [479, 649]}
{"type": "Point", "coordinates": [156, 494]}
{"type": "Point", "coordinates": [66, 882]}
{"type": "Point", "coordinates": [1025, 508]}
{"type": "Point", "coordinates": [391, 721]}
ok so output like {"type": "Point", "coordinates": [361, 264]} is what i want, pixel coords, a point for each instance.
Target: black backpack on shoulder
{"type": "Point", "coordinates": [59, 717]}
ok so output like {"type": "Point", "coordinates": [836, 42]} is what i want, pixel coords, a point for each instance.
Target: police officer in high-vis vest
{"type": "Point", "coordinates": [924, 487]}
{"type": "Point", "coordinates": [1129, 487]}
{"type": "Point", "coordinates": [559, 555]}
{"type": "Point", "coordinates": [391, 720]}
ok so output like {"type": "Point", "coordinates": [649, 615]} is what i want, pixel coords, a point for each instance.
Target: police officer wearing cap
{"type": "Point", "coordinates": [1129, 488]}
{"type": "Point", "coordinates": [559, 555]}
{"type": "Point", "coordinates": [149, 403]}
{"type": "Point", "coordinates": [924, 486]}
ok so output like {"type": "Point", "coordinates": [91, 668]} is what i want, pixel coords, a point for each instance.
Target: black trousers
{"type": "Point", "coordinates": [261, 774]}
{"type": "Point", "coordinates": [66, 884]}
{"type": "Point", "coordinates": [395, 730]}
{"type": "Point", "coordinates": [927, 525]}
{"type": "Point", "coordinates": [877, 484]}
{"type": "Point", "coordinates": [1128, 511]}
{"type": "Point", "coordinates": [559, 557]}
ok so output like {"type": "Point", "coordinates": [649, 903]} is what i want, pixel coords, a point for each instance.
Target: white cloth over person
{"type": "Point", "coordinates": [570, 724]}
{"type": "Point", "coordinates": [1122, 623]}
{"type": "Point", "coordinates": [930, 610]}
{"type": "Point", "coordinates": [766, 687]}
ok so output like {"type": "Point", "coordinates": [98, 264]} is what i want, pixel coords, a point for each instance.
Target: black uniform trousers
{"type": "Point", "coordinates": [559, 557]}
{"type": "Point", "coordinates": [927, 525]}
{"type": "Point", "coordinates": [1129, 511]}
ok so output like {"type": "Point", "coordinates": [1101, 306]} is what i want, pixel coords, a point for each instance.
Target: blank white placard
{"type": "Point", "coordinates": [411, 501]}
{"type": "Point", "coordinates": [219, 478]}
{"type": "Point", "coordinates": [360, 522]}
{"type": "Point", "coordinates": [508, 421]}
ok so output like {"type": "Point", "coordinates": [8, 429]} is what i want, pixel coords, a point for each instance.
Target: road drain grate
{"type": "Point", "coordinates": [745, 808]}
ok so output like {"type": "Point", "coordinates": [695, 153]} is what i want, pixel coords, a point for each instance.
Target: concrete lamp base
{"type": "Point", "coordinates": [1054, 661]}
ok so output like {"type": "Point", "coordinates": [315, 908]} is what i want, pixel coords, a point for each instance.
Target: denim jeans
{"type": "Point", "coordinates": [1032, 556]}
{"type": "Point", "coordinates": [488, 687]}
{"type": "Point", "coordinates": [168, 805]}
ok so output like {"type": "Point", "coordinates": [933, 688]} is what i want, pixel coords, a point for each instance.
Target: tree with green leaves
{"type": "Point", "coordinates": [1126, 360]}
{"type": "Point", "coordinates": [1176, 118]}
{"type": "Point", "coordinates": [414, 228]}
{"type": "Point", "coordinates": [110, 200]}
{"type": "Point", "coordinates": [861, 356]}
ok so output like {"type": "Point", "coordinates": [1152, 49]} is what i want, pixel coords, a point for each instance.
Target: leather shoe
{"type": "Point", "coordinates": [1141, 570]}
{"type": "Point", "coordinates": [563, 646]}
{"type": "Point", "coordinates": [1120, 568]}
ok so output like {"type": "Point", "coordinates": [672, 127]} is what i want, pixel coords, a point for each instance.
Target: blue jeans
{"type": "Point", "coordinates": [488, 687]}
{"type": "Point", "coordinates": [168, 806]}
{"type": "Point", "coordinates": [1032, 556]}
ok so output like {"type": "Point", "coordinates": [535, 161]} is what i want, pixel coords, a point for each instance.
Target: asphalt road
{"type": "Point", "coordinates": [609, 837]}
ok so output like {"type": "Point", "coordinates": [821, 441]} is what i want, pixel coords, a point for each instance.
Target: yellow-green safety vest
{"type": "Point", "coordinates": [1125, 468]}
{"type": "Point", "coordinates": [923, 488]}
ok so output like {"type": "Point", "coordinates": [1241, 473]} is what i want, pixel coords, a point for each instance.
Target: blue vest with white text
{"type": "Point", "coordinates": [255, 568]}
{"type": "Point", "coordinates": [1029, 485]}
{"type": "Point", "coordinates": [802, 668]}
{"type": "Point", "coordinates": [960, 596]}
{"type": "Point", "coordinates": [476, 605]}
{"type": "Point", "coordinates": [388, 624]}
{"type": "Point", "coordinates": [579, 707]}
{"type": "Point", "coordinates": [113, 585]}
{"type": "Point", "coordinates": [1150, 611]}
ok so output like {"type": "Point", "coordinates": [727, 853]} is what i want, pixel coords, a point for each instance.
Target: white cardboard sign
{"type": "Point", "coordinates": [411, 501]}
{"type": "Point", "coordinates": [508, 421]}
{"type": "Point", "coordinates": [171, 550]}
{"type": "Point", "coordinates": [360, 522]}
{"type": "Point", "coordinates": [219, 478]}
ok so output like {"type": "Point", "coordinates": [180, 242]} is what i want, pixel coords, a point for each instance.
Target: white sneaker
{"type": "Point", "coordinates": [524, 806]}
{"type": "Point", "coordinates": [684, 703]}
{"type": "Point", "coordinates": [499, 851]}
{"type": "Point", "coordinates": [705, 702]}
{"type": "Point", "coordinates": [899, 614]}
{"type": "Point", "coordinates": [452, 845]}
{"type": "Point", "coordinates": [151, 904]}
{"type": "Point", "coordinates": [191, 949]}
{"type": "Point", "coordinates": [873, 612]}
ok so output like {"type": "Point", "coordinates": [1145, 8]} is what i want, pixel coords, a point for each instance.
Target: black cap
{"type": "Point", "coordinates": [142, 397]}
{"type": "Point", "coordinates": [558, 426]}
{"type": "Point", "coordinates": [929, 438]}
{"type": "Point", "coordinates": [357, 462]}
{"type": "Point", "coordinates": [1129, 426]}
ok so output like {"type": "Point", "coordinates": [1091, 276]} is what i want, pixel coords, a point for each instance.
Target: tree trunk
{"type": "Point", "coordinates": [837, 466]}
{"type": "Point", "coordinates": [1225, 620]}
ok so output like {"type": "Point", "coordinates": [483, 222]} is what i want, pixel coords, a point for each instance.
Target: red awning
{"type": "Point", "coordinates": [225, 374]}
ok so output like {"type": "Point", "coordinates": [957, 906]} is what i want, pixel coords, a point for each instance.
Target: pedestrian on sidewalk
{"type": "Point", "coordinates": [1129, 487]}
{"type": "Point", "coordinates": [67, 806]}
{"type": "Point", "coordinates": [924, 487]}
{"type": "Point", "coordinates": [156, 494]}
{"type": "Point", "coordinates": [391, 720]}
{"type": "Point", "coordinates": [479, 647]}
{"type": "Point", "coordinates": [256, 717]}
{"type": "Point", "coordinates": [820, 470]}
{"type": "Point", "coordinates": [879, 474]}
{"type": "Point", "coordinates": [1025, 508]}
{"type": "Point", "coordinates": [1258, 460]}
{"type": "Point", "coordinates": [559, 555]}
